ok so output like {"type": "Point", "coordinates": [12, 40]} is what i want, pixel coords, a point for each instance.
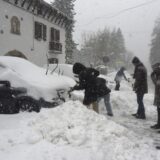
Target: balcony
{"type": "Point", "coordinates": [55, 47]}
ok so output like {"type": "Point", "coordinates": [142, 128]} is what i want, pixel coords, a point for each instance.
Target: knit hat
{"type": "Point", "coordinates": [135, 60]}
{"type": "Point", "coordinates": [78, 67]}
{"type": "Point", "coordinates": [122, 68]}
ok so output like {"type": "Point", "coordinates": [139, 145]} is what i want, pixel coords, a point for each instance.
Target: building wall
{"type": "Point", "coordinates": [33, 49]}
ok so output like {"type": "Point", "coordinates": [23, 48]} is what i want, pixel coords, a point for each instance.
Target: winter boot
{"type": "Point", "coordinates": [134, 115]}
{"type": "Point", "coordinates": [156, 126]}
{"type": "Point", "coordinates": [140, 116]}
{"type": "Point", "coordinates": [110, 114]}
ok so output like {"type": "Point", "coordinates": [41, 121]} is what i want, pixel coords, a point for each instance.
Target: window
{"type": "Point", "coordinates": [40, 31]}
{"type": "Point", "coordinates": [15, 25]}
{"type": "Point", "coordinates": [55, 35]}
{"type": "Point", "coordinates": [53, 60]}
{"type": "Point", "coordinates": [55, 40]}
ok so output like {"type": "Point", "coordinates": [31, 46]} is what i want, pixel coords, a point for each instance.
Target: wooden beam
{"type": "Point", "coordinates": [45, 12]}
{"type": "Point", "coordinates": [23, 3]}
{"type": "Point", "coordinates": [57, 17]}
{"type": "Point", "coordinates": [54, 14]}
{"type": "Point", "coordinates": [50, 13]}
{"type": "Point", "coordinates": [40, 9]}
{"type": "Point", "coordinates": [16, 1]}
{"type": "Point", "coordinates": [35, 5]}
{"type": "Point", "coordinates": [60, 19]}
{"type": "Point", "coordinates": [64, 20]}
{"type": "Point", "coordinates": [30, 3]}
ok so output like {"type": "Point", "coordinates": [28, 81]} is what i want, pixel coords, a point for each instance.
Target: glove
{"type": "Point", "coordinates": [71, 90]}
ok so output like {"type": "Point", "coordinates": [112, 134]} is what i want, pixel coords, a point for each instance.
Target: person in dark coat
{"type": "Point", "coordinates": [120, 74]}
{"type": "Point", "coordinates": [93, 85]}
{"type": "Point", "coordinates": [140, 86]}
{"type": "Point", "coordinates": [87, 82]}
{"type": "Point", "coordinates": [103, 92]}
{"type": "Point", "coordinates": [155, 76]}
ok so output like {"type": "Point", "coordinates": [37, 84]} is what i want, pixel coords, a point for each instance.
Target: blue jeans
{"type": "Point", "coordinates": [141, 109]}
{"type": "Point", "coordinates": [107, 103]}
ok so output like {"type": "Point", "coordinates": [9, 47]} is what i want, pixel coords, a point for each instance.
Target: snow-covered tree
{"type": "Point", "coordinates": [67, 7]}
{"type": "Point", "coordinates": [105, 43]}
{"type": "Point", "coordinates": [155, 43]}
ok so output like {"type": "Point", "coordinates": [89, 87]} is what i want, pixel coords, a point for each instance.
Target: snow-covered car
{"type": "Point", "coordinates": [61, 69]}
{"type": "Point", "coordinates": [12, 99]}
{"type": "Point", "coordinates": [46, 90]}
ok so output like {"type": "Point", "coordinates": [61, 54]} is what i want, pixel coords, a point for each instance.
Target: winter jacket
{"type": "Point", "coordinates": [94, 86]}
{"type": "Point", "coordinates": [140, 76]}
{"type": "Point", "coordinates": [101, 87]}
{"type": "Point", "coordinates": [155, 76]}
{"type": "Point", "coordinates": [87, 81]}
{"type": "Point", "coordinates": [119, 75]}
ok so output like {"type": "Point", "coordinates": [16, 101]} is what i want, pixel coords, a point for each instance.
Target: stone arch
{"type": "Point", "coordinates": [15, 25]}
{"type": "Point", "coordinates": [15, 53]}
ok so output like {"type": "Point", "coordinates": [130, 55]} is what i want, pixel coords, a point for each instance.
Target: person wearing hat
{"type": "Point", "coordinates": [140, 86]}
{"type": "Point", "coordinates": [94, 86]}
{"type": "Point", "coordinates": [87, 82]}
{"type": "Point", "coordinates": [118, 78]}
{"type": "Point", "coordinates": [155, 76]}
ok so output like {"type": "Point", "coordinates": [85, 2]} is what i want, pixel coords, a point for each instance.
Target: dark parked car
{"type": "Point", "coordinates": [13, 100]}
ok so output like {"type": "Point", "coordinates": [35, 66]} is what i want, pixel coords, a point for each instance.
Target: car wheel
{"type": "Point", "coordinates": [28, 104]}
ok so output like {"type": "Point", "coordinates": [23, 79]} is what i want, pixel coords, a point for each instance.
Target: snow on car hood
{"type": "Point", "coordinates": [22, 73]}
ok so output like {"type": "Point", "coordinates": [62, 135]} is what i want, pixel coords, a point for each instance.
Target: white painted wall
{"type": "Point", "coordinates": [34, 50]}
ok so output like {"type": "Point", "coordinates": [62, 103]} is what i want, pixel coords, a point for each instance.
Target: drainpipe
{"type": "Point", "coordinates": [32, 49]}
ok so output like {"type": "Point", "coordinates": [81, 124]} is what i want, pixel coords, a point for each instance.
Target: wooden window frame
{"type": "Point", "coordinates": [40, 31]}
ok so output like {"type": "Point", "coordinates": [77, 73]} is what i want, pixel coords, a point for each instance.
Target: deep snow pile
{"type": "Point", "coordinates": [70, 131]}
{"type": "Point", "coordinates": [73, 124]}
{"type": "Point", "coordinates": [73, 132]}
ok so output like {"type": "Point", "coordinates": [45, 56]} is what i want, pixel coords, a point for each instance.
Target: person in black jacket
{"type": "Point", "coordinates": [140, 86]}
{"type": "Point", "coordinates": [120, 74]}
{"type": "Point", "coordinates": [103, 92]}
{"type": "Point", "coordinates": [87, 82]}
{"type": "Point", "coordinates": [93, 85]}
{"type": "Point", "coordinates": [155, 76]}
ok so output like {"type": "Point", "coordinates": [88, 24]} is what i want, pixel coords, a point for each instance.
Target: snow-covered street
{"type": "Point", "coordinates": [72, 131]}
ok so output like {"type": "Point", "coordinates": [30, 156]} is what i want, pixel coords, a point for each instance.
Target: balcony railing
{"type": "Point", "coordinates": [55, 46]}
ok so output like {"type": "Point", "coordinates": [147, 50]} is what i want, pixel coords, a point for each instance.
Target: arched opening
{"type": "Point", "coordinates": [15, 53]}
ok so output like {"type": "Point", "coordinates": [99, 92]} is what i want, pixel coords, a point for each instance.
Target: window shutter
{"type": "Point", "coordinates": [44, 32]}
{"type": "Point", "coordinates": [57, 33]}
{"type": "Point", "coordinates": [38, 31]}
{"type": "Point", "coordinates": [52, 34]}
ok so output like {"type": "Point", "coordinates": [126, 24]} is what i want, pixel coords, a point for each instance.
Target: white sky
{"type": "Point", "coordinates": [136, 24]}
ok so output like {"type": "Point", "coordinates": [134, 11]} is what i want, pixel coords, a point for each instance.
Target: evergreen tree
{"type": "Point", "coordinates": [155, 43]}
{"type": "Point", "coordinates": [67, 7]}
{"type": "Point", "coordinates": [105, 43]}
{"type": "Point", "coordinates": [120, 41]}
